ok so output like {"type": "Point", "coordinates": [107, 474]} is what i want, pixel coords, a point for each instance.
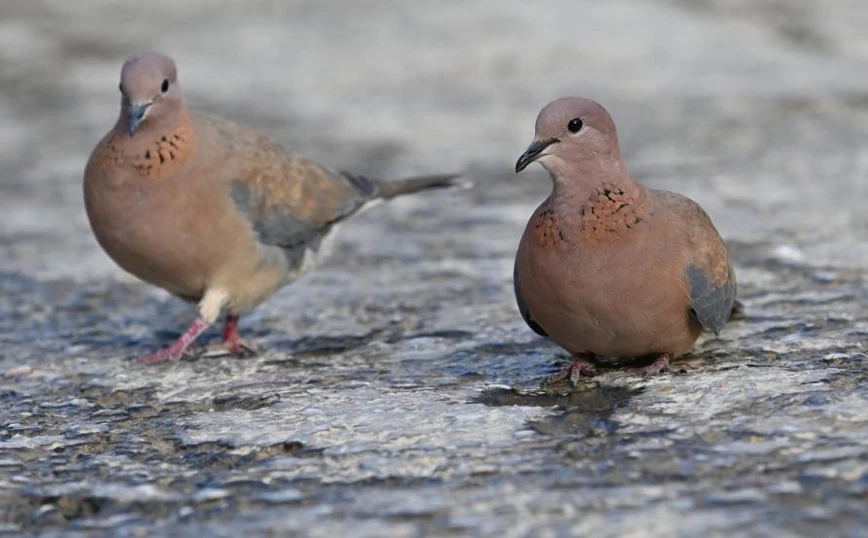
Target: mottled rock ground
{"type": "Point", "coordinates": [397, 396]}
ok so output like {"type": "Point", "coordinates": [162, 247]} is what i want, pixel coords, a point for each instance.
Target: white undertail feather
{"type": "Point", "coordinates": [313, 258]}
{"type": "Point", "coordinates": [212, 304]}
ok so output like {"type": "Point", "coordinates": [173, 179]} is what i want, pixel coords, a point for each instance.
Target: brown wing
{"type": "Point", "coordinates": [291, 202]}
{"type": "Point", "coordinates": [709, 271]}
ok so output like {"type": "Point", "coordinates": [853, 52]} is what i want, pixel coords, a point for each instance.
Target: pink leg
{"type": "Point", "coordinates": [660, 364]}
{"type": "Point", "coordinates": [176, 350]}
{"type": "Point", "coordinates": [232, 338]}
{"type": "Point", "coordinates": [579, 367]}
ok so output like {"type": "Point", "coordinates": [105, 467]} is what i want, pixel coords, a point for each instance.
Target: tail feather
{"type": "Point", "coordinates": [399, 187]}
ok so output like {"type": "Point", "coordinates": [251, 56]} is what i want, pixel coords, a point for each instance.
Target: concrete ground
{"type": "Point", "coordinates": [397, 396]}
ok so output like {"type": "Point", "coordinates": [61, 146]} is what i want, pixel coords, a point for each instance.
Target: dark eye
{"type": "Point", "coordinates": [165, 86]}
{"type": "Point", "coordinates": [121, 87]}
{"type": "Point", "coordinates": [575, 125]}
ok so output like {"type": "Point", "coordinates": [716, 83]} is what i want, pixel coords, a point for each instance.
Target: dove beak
{"type": "Point", "coordinates": [533, 152]}
{"type": "Point", "coordinates": [136, 116]}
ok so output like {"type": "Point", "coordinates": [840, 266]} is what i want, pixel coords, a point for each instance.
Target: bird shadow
{"type": "Point", "coordinates": [584, 410]}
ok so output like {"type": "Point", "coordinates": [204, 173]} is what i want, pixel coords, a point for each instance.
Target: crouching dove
{"type": "Point", "coordinates": [607, 267]}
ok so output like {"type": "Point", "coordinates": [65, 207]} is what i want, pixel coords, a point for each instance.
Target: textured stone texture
{"type": "Point", "coordinates": [397, 394]}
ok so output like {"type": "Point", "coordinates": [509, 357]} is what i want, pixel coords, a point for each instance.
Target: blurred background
{"type": "Point", "coordinates": [757, 108]}
{"type": "Point", "coordinates": [387, 401]}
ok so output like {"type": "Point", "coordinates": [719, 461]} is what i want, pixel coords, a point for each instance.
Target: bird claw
{"type": "Point", "coordinates": [578, 368]}
{"type": "Point", "coordinates": [166, 354]}
{"type": "Point", "coordinates": [660, 364]}
{"type": "Point", "coordinates": [232, 341]}
{"type": "Point", "coordinates": [179, 347]}
{"type": "Point", "coordinates": [239, 348]}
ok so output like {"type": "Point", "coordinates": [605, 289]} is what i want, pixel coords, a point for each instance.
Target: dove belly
{"type": "Point", "coordinates": [151, 251]}
{"type": "Point", "coordinates": [159, 239]}
{"type": "Point", "coordinates": [613, 304]}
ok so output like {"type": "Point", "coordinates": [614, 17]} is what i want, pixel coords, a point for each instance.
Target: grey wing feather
{"type": "Point", "coordinates": [709, 273]}
{"type": "Point", "coordinates": [711, 305]}
{"type": "Point", "coordinates": [278, 225]}
{"type": "Point", "coordinates": [522, 306]}
{"type": "Point", "coordinates": [278, 228]}
{"type": "Point", "coordinates": [290, 202]}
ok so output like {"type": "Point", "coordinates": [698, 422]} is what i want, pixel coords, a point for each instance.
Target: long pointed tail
{"type": "Point", "coordinates": [399, 187]}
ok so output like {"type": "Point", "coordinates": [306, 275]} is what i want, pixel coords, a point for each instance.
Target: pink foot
{"type": "Point", "coordinates": [232, 338]}
{"type": "Point", "coordinates": [179, 346]}
{"type": "Point", "coordinates": [660, 364]}
{"type": "Point", "coordinates": [580, 366]}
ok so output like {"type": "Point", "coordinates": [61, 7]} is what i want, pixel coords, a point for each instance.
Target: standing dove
{"type": "Point", "coordinates": [210, 211]}
{"type": "Point", "coordinates": [607, 267]}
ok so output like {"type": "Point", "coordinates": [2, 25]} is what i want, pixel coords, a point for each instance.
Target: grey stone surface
{"type": "Point", "coordinates": [397, 396]}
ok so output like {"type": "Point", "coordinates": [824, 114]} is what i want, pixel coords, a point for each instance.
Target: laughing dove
{"type": "Point", "coordinates": [607, 267]}
{"type": "Point", "coordinates": [210, 211]}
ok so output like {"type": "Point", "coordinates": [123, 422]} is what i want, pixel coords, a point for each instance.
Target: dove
{"type": "Point", "coordinates": [609, 268]}
{"type": "Point", "coordinates": [213, 212]}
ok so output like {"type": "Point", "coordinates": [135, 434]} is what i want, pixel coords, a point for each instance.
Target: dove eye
{"type": "Point", "coordinates": [121, 86]}
{"type": "Point", "coordinates": [165, 86]}
{"type": "Point", "coordinates": [575, 125]}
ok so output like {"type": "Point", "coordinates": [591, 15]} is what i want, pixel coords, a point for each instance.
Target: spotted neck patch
{"type": "Point", "coordinates": [614, 209]}
{"type": "Point", "coordinates": [155, 158]}
{"type": "Point", "coordinates": [547, 227]}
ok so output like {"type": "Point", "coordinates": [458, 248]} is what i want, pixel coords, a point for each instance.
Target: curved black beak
{"type": "Point", "coordinates": [136, 115]}
{"type": "Point", "coordinates": [533, 152]}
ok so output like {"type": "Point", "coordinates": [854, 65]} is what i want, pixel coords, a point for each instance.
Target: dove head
{"type": "Point", "coordinates": [573, 135]}
{"type": "Point", "coordinates": [149, 90]}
